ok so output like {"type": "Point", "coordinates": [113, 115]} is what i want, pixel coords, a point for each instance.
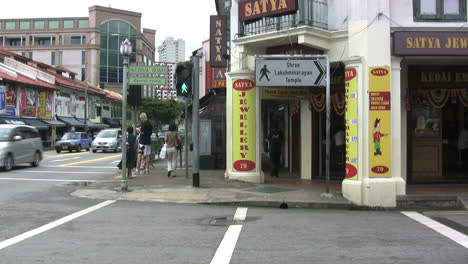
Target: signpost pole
{"type": "Point", "coordinates": [186, 137]}
{"type": "Point", "coordinates": [327, 164]}
{"type": "Point", "coordinates": [195, 121]}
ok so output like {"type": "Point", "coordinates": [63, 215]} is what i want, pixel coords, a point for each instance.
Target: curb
{"type": "Point", "coordinates": [283, 204]}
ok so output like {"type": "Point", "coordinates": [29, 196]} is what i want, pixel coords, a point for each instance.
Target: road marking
{"type": "Point", "coordinates": [89, 167]}
{"type": "Point", "coordinates": [440, 228]}
{"type": "Point", "coordinates": [447, 213]}
{"type": "Point", "coordinates": [240, 214]}
{"type": "Point", "coordinates": [65, 172]}
{"type": "Point", "coordinates": [224, 252]}
{"type": "Point", "coordinates": [89, 161]}
{"type": "Point", "coordinates": [116, 161]}
{"type": "Point", "coordinates": [54, 224]}
{"type": "Point", "coordinates": [64, 159]}
{"type": "Point", "coordinates": [65, 155]}
{"type": "Point", "coordinates": [47, 180]}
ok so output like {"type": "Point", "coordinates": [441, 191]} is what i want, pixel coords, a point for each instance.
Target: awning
{"type": "Point", "coordinates": [53, 122]}
{"type": "Point", "coordinates": [71, 121]}
{"type": "Point", "coordinates": [36, 123]}
{"type": "Point", "coordinates": [93, 125]}
{"type": "Point", "coordinates": [111, 122]}
{"type": "Point", "coordinates": [11, 121]}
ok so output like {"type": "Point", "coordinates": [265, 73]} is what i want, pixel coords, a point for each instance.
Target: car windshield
{"type": "Point", "coordinates": [71, 136]}
{"type": "Point", "coordinates": [5, 133]}
{"type": "Point", "coordinates": [107, 134]}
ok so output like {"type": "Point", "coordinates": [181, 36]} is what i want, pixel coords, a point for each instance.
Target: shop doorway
{"type": "Point", "coordinates": [438, 125]}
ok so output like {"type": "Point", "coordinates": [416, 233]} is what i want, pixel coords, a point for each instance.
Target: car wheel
{"type": "Point", "coordinates": [58, 150]}
{"type": "Point", "coordinates": [37, 160]}
{"type": "Point", "coordinates": [78, 149]}
{"type": "Point", "coordinates": [70, 150]}
{"type": "Point", "coordinates": [94, 151]}
{"type": "Point", "coordinates": [8, 163]}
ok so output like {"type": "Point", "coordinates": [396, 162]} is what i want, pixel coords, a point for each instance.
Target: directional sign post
{"type": "Point", "coordinates": [298, 70]}
{"type": "Point", "coordinates": [147, 75]}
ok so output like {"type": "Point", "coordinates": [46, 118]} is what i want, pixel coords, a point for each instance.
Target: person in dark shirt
{"type": "Point", "coordinates": [145, 139]}
{"type": "Point", "coordinates": [131, 151]}
{"type": "Point", "coordinates": [275, 139]}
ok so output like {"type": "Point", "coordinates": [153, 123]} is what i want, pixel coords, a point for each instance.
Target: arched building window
{"type": "Point", "coordinates": [112, 34]}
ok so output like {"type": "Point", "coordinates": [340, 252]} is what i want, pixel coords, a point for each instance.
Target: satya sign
{"type": "Point", "coordinates": [430, 43]}
{"type": "Point", "coordinates": [218, 41]}
{"type": "Point", "coordinates": [252, 9]}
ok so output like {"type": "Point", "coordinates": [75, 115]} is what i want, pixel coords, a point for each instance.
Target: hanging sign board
{"type": "Point", "coordinates": [290, 72]}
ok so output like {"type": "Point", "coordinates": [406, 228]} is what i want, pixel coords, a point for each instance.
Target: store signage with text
{"type": "Point", "coordinates": [380, 122]}
{"type": "Point", "coordinates": [352, 135]}
{"type": "Point", "coordinates": [252, 9]}
{"type": "Point", "coordinates": [244, 126]}
{"type": "Point", "coordinates": [430, 43]}
{"type": "Point", "coordinates": [218, 41]}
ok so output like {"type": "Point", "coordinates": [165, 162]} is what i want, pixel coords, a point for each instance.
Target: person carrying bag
{"type": "Point", "coordinates": [172, 140]}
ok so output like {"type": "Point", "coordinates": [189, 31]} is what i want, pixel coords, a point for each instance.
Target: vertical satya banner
{"type": "Point", "coordinates": [244, 126]}
{"type": "Point", "coordinates": [380, 122]}
{"type": "Point", "coordinates": [351, 117]}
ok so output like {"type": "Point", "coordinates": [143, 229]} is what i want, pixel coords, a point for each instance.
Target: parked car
{"type": "Point", "coordinates": [74, 141]}
{"type": "Point", "coordinates": [19, 144]}
{"type": "Point", "coordinates": [108, 140]}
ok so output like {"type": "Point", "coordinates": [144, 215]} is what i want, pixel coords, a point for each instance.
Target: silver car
{"type": "Point", "coordinates": [107, 140]}
{"type": "Point", "coordinates": [19, 144]}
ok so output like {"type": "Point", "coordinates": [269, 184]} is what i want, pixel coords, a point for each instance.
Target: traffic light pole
{"type": "Point", "coordinates": [186, 137]}
{"type": "Point", "coordinates": [195, 121]}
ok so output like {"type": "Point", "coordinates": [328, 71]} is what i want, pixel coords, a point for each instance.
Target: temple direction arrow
{"type": "Point", "coordinates": [321, 70]}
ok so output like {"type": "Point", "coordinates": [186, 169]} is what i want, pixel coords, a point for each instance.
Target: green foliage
{"type": "Point", "coordinates": [161, 111]}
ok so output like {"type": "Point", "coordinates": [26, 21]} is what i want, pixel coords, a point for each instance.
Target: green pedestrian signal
{"type": "Point", "coordinates": [184, 79]}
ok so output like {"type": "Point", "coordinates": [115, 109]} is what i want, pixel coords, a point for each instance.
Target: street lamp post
{"type": "Point", "coordinates": [125, 51]}
{"type": "Point", "coordinates": [86, 84]}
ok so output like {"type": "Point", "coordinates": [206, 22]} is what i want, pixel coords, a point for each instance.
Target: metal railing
{"type": "Point", "coordinates": [313, 13]}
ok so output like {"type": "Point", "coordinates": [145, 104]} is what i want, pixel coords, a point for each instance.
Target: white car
{"type": "Point", "coordinates": [108, 140]}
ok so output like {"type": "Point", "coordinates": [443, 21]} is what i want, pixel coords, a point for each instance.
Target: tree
{"type": "Point", "coordinates": [161, 111]}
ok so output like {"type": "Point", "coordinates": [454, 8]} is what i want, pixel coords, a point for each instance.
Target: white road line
{"type": "Point", "coordinates": [224, 252]}
{"type": "Point", "coordinates": [49, 226]}
{"type": "Point", "coordinates": [63, 172]}
{"type": "Point", "coordinates": [90, 167]}
{"type": "Point", "coordinates": [47, 180]}
{"type": "Point", "coordinates": [442, 229]}
{"type": "Point", "coordinates": [226, 248]}
{"type": "Point", "coordinates": [240, 214]}
{"type": "Point", "coordinates": [64, 159]}
{"type": "Point", "coordinates": [116, 161]}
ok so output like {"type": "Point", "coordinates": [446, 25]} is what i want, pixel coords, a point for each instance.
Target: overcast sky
{"type": "Point", "coordinates": [187, 19]}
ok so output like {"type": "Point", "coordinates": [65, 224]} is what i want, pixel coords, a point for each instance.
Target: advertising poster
{"type": "Point", "coordinates": [244, 126]}
{"type": "Point", "coordinates": [351, 117]}
{"type": "Point", "coordinates": [28, 102]}
{"type": "Point", "coordinates": [45, 105]}
{"type": "Point", "coordinates": [10, 101]}
{"type": "Point", "coordinates": [2, 100]}
{"type": "Point", "coordinates": [380, 122]}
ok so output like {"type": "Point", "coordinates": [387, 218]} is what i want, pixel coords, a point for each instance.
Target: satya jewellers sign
{"type": "Point", "coordinates": [244, 126]}
{"type": "Point", "coordinates": [252, 9]}
{"type": "Point", "coordinates": [430, 43]}
{"type": "Point", "coordinates": [218, 41]}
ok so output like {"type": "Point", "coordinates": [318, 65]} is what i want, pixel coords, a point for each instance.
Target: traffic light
{"type": "Point", "coordinates": [184, 79]}
{"type": "Point", "coordinates": [134, 95]}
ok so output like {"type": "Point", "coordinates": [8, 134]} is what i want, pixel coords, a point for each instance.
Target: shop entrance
{"type": "Point", "coordinates": [438, 125]}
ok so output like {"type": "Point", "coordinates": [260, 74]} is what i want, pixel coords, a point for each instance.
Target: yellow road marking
{"type": "Point", "coordinates": [447, 213]}
{"type": "Point", "coordinates": [66, 155]}
{"type": "Point", "coordinates": [89, 161]}
{"type": "Point", "coordinates": [169, 196]}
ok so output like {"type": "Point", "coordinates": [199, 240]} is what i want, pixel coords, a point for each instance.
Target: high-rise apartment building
{"type": "Point", "coordinates": [172, 50]}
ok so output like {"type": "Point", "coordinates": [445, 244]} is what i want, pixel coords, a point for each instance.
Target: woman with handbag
{"type": "Point", "coordinates": [173, 141]}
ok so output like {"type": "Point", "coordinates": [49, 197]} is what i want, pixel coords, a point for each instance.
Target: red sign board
{"type": "Point", "coordinates": [379, 101]}
{"type": "Point", "coordinates": [252, 9]}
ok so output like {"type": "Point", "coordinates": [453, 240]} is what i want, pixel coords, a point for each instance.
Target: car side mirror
{"type": "Point", "coordinates": [17, 138]}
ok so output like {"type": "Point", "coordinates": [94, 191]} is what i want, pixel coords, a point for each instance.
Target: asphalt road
{"type": "Point", "coordinates": [41, 223]}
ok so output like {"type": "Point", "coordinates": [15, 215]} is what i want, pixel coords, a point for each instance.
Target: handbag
{"type": "Point", "coordinates": [162, 154]}
{"type": "Point", "coordinates": [179, 143]}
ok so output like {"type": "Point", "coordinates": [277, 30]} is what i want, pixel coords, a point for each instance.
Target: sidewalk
{"type": "Point", "coordinates": [275, 192]}
{"type": "Point", "coordinates": [215, 189]}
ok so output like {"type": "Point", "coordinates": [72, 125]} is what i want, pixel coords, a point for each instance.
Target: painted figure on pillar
{"type": "Point", "coordinates": [377, 137]}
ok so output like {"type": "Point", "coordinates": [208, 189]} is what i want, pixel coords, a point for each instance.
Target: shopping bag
{"type": "Point", "coordinates": [162, 154]}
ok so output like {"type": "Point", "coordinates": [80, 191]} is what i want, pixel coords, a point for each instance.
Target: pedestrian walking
{"type": "Point", "coordinates": [131, 151]}
{"type": "Point", "coordinates": [275, 139]}
{"type": "Point", "coordinates": [145, 140]}
{"type": "Point", "coordinates": [173, 140]}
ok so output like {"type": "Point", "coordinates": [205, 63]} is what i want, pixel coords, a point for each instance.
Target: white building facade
{"type": "Point", "coordinates": [399, 85]}
{"type": "Point", "coordinates": [172, 50]}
